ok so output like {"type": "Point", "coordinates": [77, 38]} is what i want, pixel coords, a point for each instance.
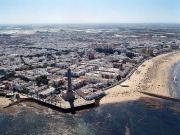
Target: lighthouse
{"type": "Point", "coordinates": [69, 95]}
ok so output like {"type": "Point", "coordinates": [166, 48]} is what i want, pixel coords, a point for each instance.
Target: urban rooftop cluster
{"type": "Point", "coordinates": [45, 62]}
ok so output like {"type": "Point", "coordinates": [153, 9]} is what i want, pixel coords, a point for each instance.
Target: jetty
{"type": "Point", "coordinates": [160, 96]}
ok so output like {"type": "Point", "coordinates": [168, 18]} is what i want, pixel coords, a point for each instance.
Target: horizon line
{"type": "Point", "coordinates": [78, 23]}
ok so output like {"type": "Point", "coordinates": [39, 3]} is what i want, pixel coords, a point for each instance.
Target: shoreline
{"type": "Point", "coordinates": [173, 91]}
{"type": "Point", "coordinates": [152, 76]}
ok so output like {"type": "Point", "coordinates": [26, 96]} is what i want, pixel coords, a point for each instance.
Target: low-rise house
{"type": "Point", "coordinates": [53, 70]}
{"type": "Point", "coordinates": [78, 73]}
{"type": "Point", "coordinates": [62, 65]}
{"type": "Point", "coordinates": [57, 82]}
{"type": "Point", "coordinates": [78, 83]}
{"type": "Point", "coordinates": [47, 92]}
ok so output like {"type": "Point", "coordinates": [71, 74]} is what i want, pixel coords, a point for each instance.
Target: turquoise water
{"type": "Point", "coordinates": [127, 118]}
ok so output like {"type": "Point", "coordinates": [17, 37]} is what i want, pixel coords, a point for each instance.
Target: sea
{"type": "Point", "coordinates": [146, 116]}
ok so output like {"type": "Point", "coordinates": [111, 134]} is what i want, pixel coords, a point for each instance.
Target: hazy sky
{"type": "Point", "coordinates": [89, 11]}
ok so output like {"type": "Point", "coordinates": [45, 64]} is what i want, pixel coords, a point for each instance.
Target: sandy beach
{"type": "Point", "coordinates": [4, 102]}
{"type": "Point", "coordinates": [152, 76]}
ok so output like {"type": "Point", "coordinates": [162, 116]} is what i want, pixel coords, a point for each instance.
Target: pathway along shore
{"type": "Point", "coordinates": [152, 76]}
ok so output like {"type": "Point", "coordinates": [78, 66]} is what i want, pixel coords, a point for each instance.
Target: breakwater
{"type": "Point", "coordinates": [161, 96]}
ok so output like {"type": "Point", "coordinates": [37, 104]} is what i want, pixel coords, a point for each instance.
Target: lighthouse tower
{"type": "Point", "coordinates": [69, 95]}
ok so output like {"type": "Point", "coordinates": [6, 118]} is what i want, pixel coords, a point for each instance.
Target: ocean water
{"type": "Point", "coordinates": [175, 80]}
{"type": "Point", "coordinates": [142, 117]}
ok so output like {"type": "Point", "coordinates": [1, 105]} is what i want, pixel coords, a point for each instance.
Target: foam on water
{"type": "Point", "coordinates": [174, 81]}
